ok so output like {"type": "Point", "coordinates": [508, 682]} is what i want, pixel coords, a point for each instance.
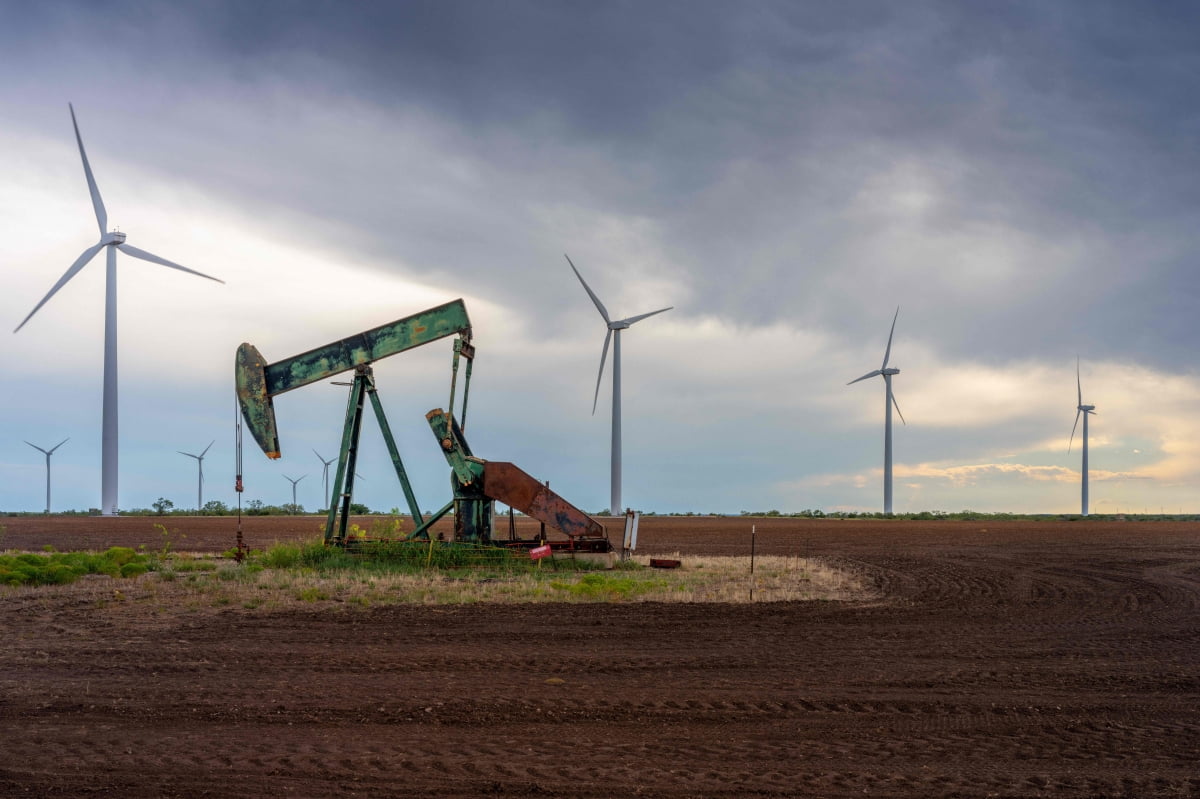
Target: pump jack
{"type": "Point", "coordinates": [476, 483]}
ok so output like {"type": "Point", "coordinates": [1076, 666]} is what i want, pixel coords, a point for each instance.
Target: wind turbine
{"type": "Point", "coordinates": [293, 482]}
{"type": "Point", "coordinates": [111, 242]}
{"type": "Point", "coordinates": [325, 472]}
{"type": "Point", "coordinates": [200, 464]}
{"type": "Point", "coordinates": [1084, 411]}
{"type": "Point", "coordinates": [48, 453]}
{"type": "Point", "coordinates": [613, 335]}
{"type": "Point", "coordinates": [886, 373]}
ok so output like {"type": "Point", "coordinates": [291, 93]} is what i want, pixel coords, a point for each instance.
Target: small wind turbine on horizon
{"type": "Point", "coordinates": [111, 242]}
{"type": "Point", "coordinates": [325, 472]}
{"type": "Point", "coordinates": [1084, 411]}
{"type": "Point", "coordinates": [886, 373]}
{"type": "Point", "coordinates": [48, 453]}
{"type": "Point", "coordinates": [200, 465]}
{"type": "Point", "coordinates": [293, 482]}
{"type": "Point", "coordinates": [613, 335]}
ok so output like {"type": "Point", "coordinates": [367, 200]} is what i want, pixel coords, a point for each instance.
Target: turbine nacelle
{"type": "Point", "coordinates": [115, 237]}
{"type": "Point", "coordinates": [891, 370]}
{"type": "Point", "coordinates": [1086, 408]}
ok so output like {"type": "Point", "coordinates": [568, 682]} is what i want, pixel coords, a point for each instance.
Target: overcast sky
{"type": "Point", "coordinates": [1018, 178]}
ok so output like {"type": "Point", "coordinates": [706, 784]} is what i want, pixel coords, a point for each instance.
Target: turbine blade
{"type": "Point", "coordinates": [1072, 440]}
{"type": "Point", "coordinates": [80, 263]}
{"type": "Point", "coordinates": [154, 259]}
{"type": "Point", "coordinates": [1079, 386]}
{"type": "Point", "coordinates": [206, 449]}
{"type": "Point", "coordinates": [631, 320]}
{"type": "Point", "coordinates": [59, 444]}
{"type": "Point", "coordinates": [864, 377]}
{"type": "Point", "coordinates": [599, 305]}
{"type": "Point", "coordinates": [97, 203]}
{"type": "Point", "coordinates": [896, 405]}
{"type": "Point", "coordinates": [39, 449]}
{"type": "Point", "coordinates": [600, 374]}
{"type": "Point", "coordinates": [888, 352]}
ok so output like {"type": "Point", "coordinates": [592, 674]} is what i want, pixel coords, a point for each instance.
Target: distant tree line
{"type": "Point", "coordinates": [256, 507]}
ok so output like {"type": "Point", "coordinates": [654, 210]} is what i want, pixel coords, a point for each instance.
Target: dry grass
{"type": "Point", "coordinates": [192, 582]}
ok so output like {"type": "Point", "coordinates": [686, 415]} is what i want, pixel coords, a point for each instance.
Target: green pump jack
{"type": "Point", "coordinates": [476, 483]}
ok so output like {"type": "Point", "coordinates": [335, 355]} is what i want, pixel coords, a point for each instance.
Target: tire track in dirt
{"type": "Point", "coordinates": [1025, 663]}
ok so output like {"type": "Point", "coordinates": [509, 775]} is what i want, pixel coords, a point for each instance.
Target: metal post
{"type": "Point", "coordinates": [542, 528]}
{"type": "Point", "coordinates": [753, 539]}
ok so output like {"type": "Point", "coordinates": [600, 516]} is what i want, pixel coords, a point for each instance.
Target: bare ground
{"type": "Point", "coordinates": [1004, 659]}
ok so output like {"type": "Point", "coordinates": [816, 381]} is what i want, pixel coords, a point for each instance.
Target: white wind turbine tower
{"type": "Point", "coordinates": [614, 334]}
{"type": "Point", "coordinates": [200, 464]}
{"type": "Point", "coordinates": [325, 472]}
{"type": "Point", "coordinates": [48, 453]}
{"type": "Point", "coordinates": [293, 482]}
{"type": "Point", "coordinates": [889, 401]}
{"type": "Point", "coordinates": [1084, 411]}
{"type": "Point", "coordinates": [111, 242]}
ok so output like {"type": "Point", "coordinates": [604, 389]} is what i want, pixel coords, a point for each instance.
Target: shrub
{"type": "Point", "coordinates": [58, 568]}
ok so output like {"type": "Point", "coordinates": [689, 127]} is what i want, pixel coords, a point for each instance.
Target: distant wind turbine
{"type": "Point", "coordinates": [200, 465]}
{"type": "Point", "coordinates": [1084, 411]}
{"type": "Point", "coordinates": [889, 401]}
{"type": "Point", "coordinates": [111, 242]}
{"type": "Point", "coordinates": [325, 472]}
{"type": "Point", "coordinates": [48, 453]}
{"type": "Point", "coordinates": [614, 335]}
{"type": "Point", "coordinates": [293, 482]}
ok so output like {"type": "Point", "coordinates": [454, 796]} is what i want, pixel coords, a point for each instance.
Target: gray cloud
{"type": "Point", "coordinates": [1018, 177]}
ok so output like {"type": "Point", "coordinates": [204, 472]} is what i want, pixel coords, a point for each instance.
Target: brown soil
{"type": "Point", "coordinates": [1024, 659]}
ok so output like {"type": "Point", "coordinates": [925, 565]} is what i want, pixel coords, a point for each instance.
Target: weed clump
{"type": "Point", "coordinates": [60, 568]}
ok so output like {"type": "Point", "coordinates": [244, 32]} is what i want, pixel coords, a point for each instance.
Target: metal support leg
{"type": "Point", "coordinates": [347, 459]}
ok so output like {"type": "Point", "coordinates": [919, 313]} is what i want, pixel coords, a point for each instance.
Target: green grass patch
{"type": "Point", "coordinates": [599, 587]}
{"type": "Point", "coordinates": [408, 557]}
{"type": "Point", "coordinates": [60, 568]}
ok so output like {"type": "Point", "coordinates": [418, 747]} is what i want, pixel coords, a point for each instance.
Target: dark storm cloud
{"type": "Point", "coordinates": [1018, 176]}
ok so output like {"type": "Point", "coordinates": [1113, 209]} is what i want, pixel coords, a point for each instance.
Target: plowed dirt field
{"type": "Point", "coordinates": [994, 660]}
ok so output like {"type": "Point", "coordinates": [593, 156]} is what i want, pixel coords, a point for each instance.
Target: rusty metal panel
{"type": "Point", "coordinates": [513, 487]}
